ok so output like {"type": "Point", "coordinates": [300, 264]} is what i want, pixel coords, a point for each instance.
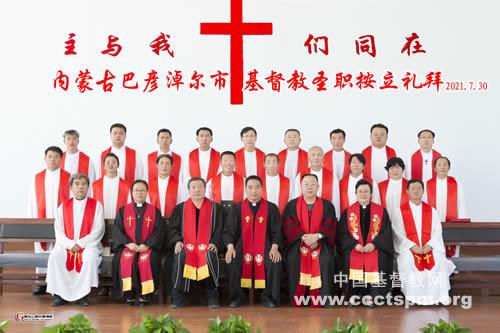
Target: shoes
{"type": "Point", "coordinates": [143, 301]}
{"type": "Point", "coordinates": [84, 301]}
{"type": "Point", "coordinates": [39, 290]}
{"type": "Point", "coordinates": [213, 300]}
{"type": "Point", "coordinates": [267, 302]}
{"type": "Point", "coordinates": [58, 301]}
{"type": "Point", "coordinates": [236, 303]}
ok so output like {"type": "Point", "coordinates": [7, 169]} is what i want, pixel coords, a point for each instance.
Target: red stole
{"type": "Point", "coordinates": [302, 161]}
{"type": "Point", "coordinates": [240, 163]}
{"type": "Point", "coordinates": [62, 194]}
{"type": "Point", "coordinates": [422, 261]}
{"type": "Point", "coordinates": [382, 187]}
{"type": "Point", "coordinates": [284, 192]}
{"type": "Point", "coordinates": [74, 260]}
{"type": "Point", "coordinates": [326, 183]}
{"type": "Point", "coordinates": [194, 164]}
{"type": "Point", "coordinates": [328, 163]}
{"type": "Point", "coordinates": [253, 234]}
{"type": "Point", "coordinates": [417, 169]}
{"type": "Point", "coordinates": [127, 256]}
{"type": "Point", "coordinates": [367, 153]}
{"type": "Point", "coordinates": [197, 241]}
{"type": "Point", "coordinates": [83, 162]}
{"type": "Point", "coordinates": [344, 192]}
{"type": "Point", "coordinates": [310, 270]}
{"type": "Point", "coordinates": [238, 188]}
{"type": "Point", "coordinates": [153, 170]}
{"type": "Point", "coordinates": [130, 159]}
{"type": "Point", "coordinates": [364, 266]}
{"type": "Point", "coordinates": [123, 192]}
{"type": "Point", "coordinates": [451, 203]}
{"type": "Point", "coordinates": [170, 195]}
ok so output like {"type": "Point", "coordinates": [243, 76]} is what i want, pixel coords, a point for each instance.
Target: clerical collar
{"type": "Point", "coordinates": [365, 206]}
{"type": "Point", "coordinates": [253, 204]}
{"type": "Point", "coordinates": [138, 204]}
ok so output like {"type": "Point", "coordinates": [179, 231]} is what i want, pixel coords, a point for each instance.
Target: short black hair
{"type": "Point", "coordinates": [413, 181]}
{"type": "Point", "coordinates": [111, 155]}
{"type": "Point", "coordinates": [360, 158]}
{"type": "Point", "coordinates": [393, 162]}
{"type": "Point", "coordinates": [204, 129]}
{"type": "Point", "coordinates": [444, 158]}
{"type": "Point", "coordinates": [379, 125]}
{"type": "Point", "coordinates": [272, 155]}
{"type": "Point", "coordinates": [253, 177]}
{"type": "Point", "coordinates": [337, 131]}
{"type": "Point", "coordinates": [227, 152]}
{"type": "Point", "coordinates": [196, 179]}
{"type": "Point", "coordinates": [426, 130]}
{"type": "Point", "coordinates": [54, 149]}
{"type": "Point", "coordinates": [292, 130]}
{"type": "Point", "coordinates": [165, 156]}
{"type": "Point", "coordinates": [139, 181]}
{"type": "Point", "coordinates": [118, 125]}
{"type": "Point", "coordinates": [71, 132]}
{"type": "Point", "coordinates": [247, 129]}
{"type": "Point", "coordinates": [163, 130]}
{"type": "Point", "coordinates": [363, 182]}
{"type": "Point", "coordinates": [76, 176]}
{"type": "Point", "coordinates": [309, 174]}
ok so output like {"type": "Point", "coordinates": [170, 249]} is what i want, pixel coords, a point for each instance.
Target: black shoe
{"type": "Point", "coordinates": [177, 305]}
{"type": "Point", "coordinates": [267, 302]}
{"type": "Point", "coordinates": [131, 301]}
{"type": "Point", "coordinates": [84, 301]}
{"type": "Point", "coordinates": [58, 301]}
{"type": "Point", "coordinates": [39, 290]}
{"type": "Point", "coordinates": [103, 291]}
{"type": "Point", "coordinates": [213, 300]}
{"type": "Point", "coordinates": [236, 303]}
{"type": "Point", "coordinates": [143, 301]}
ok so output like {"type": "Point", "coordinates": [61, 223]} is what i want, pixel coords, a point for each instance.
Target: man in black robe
{"type": "Point", "coordinates": [194, 231]}
{"type": "Point", "coordinates": [367, 254]}
{"type": "Point", "coordinates": [138, 239]}
{"type": "Point", "coordinates": [309, 235]}
{"type": "Point", "coordinates": [253, 239]}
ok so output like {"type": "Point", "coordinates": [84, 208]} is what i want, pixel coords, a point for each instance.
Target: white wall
{"type": "Point", "coordinates": [460, 37]}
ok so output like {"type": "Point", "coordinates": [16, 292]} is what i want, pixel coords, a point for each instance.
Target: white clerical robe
{"type": "Point", "coordinates": [204, 159]}
{"type": "Point", "coordinates": [338, 163]}
{"type": "Point", "coordinates": [425, 287]}
{"type": "Point", "coordinates": [273, 189]}
{"type": "Point", "coordinates": [442, 199]}
{"type": "Point", "coordinates": [182, 192]}
{"type": "Point", "coordinates": [379, 161]}
{"type": "Point", "coordinates": [120, 152]}
{"type": "Point", "coordinates": [227, 188]}
{"type": "Point", "coordinates": [427, 166]}
{"type": "Point", "coordinates": [297, 189]}
{"type": "Point", "coordinates": [71, 285]}
{"type": "Point", "coordinates": [351, 190]}
{"type": "Point", "coordinates": [291, 165]}
{"type": "Point", "coordinates": [393, 196]}
{"type": "Point", "coordinates": [110, 190]}
{"type": "Point", "coordinates": [51, 197]}
{"type": "Point", "coordinates": [71, 165]}
{"type": "Point", "coordinates": [250, 162]}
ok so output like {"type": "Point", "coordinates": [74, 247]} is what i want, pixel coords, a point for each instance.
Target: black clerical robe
{"type": "Point", "coordinates": [382, 242]}
{"type": "Point", "coordinates": [155, 241]}
{"type": "Point", "coordinates": [292, 233]}
{"type": "Point", "coordinates": [176, 234]}
{"type": "Point", "coordinates": [233, 235]}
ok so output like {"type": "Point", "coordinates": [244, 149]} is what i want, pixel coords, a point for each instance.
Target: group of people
{"type": "Point", "coordinates": [300, 216]}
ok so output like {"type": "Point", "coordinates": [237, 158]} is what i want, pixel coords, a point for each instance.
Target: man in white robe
{"type": "Point", "coordinates": [112, 191]}
{"type": "Point", "coordinates": [130, 167]}
{"type": "Point", "coordinates": [420, 164]}
{"type": "Point", "coordinates": [49, 189]}
{"type": "Point", "coordinates": [293, 159]}
{"type": "Point", "coordinates": [378, 153]}
{"type": "Point", "coordinates": [249, 159]}
{"type": "Point", "coordinates": [203, 161]}
{"type": "Point", "coordinates": [423, 268]}
{"type": "Point", "coordinates": [316, 157]}
{"type": "Point", "coordinates": [74, 160]}
{"type": "Point", "coordinates": [445, 193]}
{"type": "Point", "coordinates": [393, 190]}
{"type": "Point", "coordinates": [73, 264]}
{"type": "Point", "coordinates": [164, 140]}
{"type": "Point", "coordinates": [337, 159]}
{"type": "Point", "coordinates": [276, 188]}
